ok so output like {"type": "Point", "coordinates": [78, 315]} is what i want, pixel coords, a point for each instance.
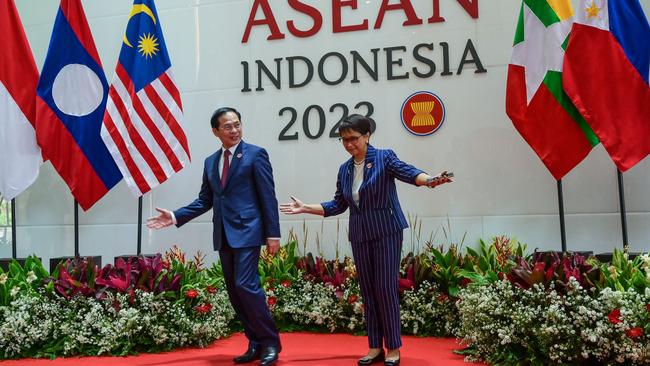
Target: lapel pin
{"type": "Point", "coordinates": [369, 165]}
{"type": "Point", "coordinates": [239, 156]}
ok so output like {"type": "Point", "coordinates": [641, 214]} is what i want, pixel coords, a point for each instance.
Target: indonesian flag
{"type": "Point", "coordinates": [535, 101]}
{"type": "Point", "coordinates": [20, 156]}
{"type": "Point", "coordinates": [607, 61]}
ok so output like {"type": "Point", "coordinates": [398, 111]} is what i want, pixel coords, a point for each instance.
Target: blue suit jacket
{"type": "Point", "coordinates": [379, 213]}
{"type": "Point", "coordinates": [246, 207]}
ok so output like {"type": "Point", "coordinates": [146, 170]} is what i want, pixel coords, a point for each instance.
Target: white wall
{"type": "Point", "coordinates": [501, 186]}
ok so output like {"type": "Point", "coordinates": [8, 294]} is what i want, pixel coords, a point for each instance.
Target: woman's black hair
{"type": "Point", "coordinates": [356, 122]}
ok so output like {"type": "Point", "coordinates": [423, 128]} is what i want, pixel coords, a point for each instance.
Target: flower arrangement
{"type": "Point", "coordinates": [560, 311]}
{"type": "Point", "coordinates": [146, 305]}
{"type": "Point", "coordinates": [506, 306]}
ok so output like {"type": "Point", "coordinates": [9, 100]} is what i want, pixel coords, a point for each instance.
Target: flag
{"type": "Point", "coordinates": [20, 156]}
{"type": "Point", "coordinates": [535, 101]}
{"type": "Point", "coordinates": [71, 102]}
{"type": "Point", "coordinates": [606, 76]}
{"type": "Point", "coordinates": [142, 124]}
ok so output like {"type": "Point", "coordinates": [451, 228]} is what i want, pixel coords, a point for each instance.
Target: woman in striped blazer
{"type": "Point", "coordinates": [366, 185]}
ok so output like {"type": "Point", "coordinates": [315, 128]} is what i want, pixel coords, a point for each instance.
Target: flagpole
{"type": "Point", "coordinates": [139, 251]}
{"type": "Point", "coordinates": [76, 228]}
{"type": "Point", "coordinates": [621, 198]}
{"type": "Point", "coordinates": [560, 200]}
{"type": "Point", "coordinates": [13, 229]}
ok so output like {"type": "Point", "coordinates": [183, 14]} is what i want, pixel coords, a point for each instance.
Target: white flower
{"type": "Point", "coordinates": [14, 291]}
{"type": "Point", "coordinates": [612, 271]}
{"type": "Point", "coordinates": [31, 277]}
{"type": "Point", "coordinates": [3, 278]}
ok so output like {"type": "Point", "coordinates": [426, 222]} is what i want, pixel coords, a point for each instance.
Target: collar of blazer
{"type": "Point", "coordinates": [234, 163]}
{"type": "Point", "coordinates": [369, 164]}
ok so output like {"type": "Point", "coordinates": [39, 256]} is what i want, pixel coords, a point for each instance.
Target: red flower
{"type": "Point", "coordinates": [466, 281]}
{"type": "Point", "coordinates": [191, 293]}
{"type": "Point", "coordinates": [405, 284]}
{"type": "Point", "coordinates": [648, 307]}
{"type": "Point", "coordinates": [286, 283]}
{"type": "Point", "coordinates": [205, 308]}
{"type": "Point", "coordinates": [211, 289]}
{"type": "Point", "coordinates": [131, 296]}
{"type": "Point", "coordinates": [634, 332]}
{"type": "Point", "coordinates": [442, 298]}
{"type": "Point", "coordinates": [539, 266]}
{"type": "Point", "coordinates": [352, 299]}
{"type": "Point", "coordinates": [615, 316]}
{"type": "Point", "coordinates": [272, 301]}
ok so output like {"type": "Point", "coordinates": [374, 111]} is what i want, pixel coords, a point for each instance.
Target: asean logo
{"type": "Point", "coordinates": [423, 113]}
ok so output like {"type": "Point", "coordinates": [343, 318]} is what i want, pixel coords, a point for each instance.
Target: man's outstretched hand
{"type": "Point", "coordinates": [160, 221]}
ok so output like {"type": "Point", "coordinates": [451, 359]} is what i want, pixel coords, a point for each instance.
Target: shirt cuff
{"type": "Point", "coordinates": [173, 218]}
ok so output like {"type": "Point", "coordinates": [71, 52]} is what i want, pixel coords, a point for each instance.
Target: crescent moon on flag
{"type": "Point", "coordinates": [137, 9]}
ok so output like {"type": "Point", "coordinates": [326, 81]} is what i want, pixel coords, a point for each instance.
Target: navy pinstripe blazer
{"type": "Point", "coordinates": [379, 213]}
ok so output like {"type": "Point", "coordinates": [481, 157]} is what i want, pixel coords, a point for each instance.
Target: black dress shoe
{"type": "Point", "coordinates": [269, 355]}
{"type": "Point", "coordinates": [252, 354]}
{"type": "Point", "coordinates": [369, 361]}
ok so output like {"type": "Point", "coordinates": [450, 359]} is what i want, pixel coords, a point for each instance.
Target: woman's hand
{"type": "Point", "coordinates": [294, 207]}
{"type": "Point", "coordinates": [441, 178]}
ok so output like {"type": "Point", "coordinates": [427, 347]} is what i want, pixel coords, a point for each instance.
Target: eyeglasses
{"type": "Point", "coordinates": [350, 140]}
{"type": "Point", "coordinates": [230, 127]}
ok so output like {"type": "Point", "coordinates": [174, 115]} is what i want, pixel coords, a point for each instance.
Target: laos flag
{"type": "Point", "coordinates": [606, 67]}
{"type": "Point", "coordinates": [71, 100]}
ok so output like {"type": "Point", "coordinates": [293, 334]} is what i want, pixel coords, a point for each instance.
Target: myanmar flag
{"type": "Point", "coordinates": [535, 100]}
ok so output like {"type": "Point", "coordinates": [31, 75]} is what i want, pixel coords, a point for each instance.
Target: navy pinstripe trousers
{"type": "Point", "coordinates": [377, 263]}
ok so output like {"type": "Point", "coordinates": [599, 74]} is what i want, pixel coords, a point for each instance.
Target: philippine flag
{"type": "Point", "coordinates": [72, 93]}
{"type": "Point", "coordinates": [606, 75]}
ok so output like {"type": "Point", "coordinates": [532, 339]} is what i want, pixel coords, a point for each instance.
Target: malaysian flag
{"type": "Point", "coordinates": [142, 124]}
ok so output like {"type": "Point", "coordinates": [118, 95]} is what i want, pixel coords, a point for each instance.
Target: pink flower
{"type": "Point", "coordinates": [615, 316]}
{"type": "Point", "coordinates": [634, 332]}
{"type": "Point", "coordinates": [191, 293]}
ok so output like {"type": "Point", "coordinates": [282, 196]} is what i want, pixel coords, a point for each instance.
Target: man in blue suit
{"type": "Point", "coordinates": [238, 187]}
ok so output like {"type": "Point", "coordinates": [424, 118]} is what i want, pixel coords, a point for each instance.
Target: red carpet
{"type": "Point", "coordinates": [298, 349]}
